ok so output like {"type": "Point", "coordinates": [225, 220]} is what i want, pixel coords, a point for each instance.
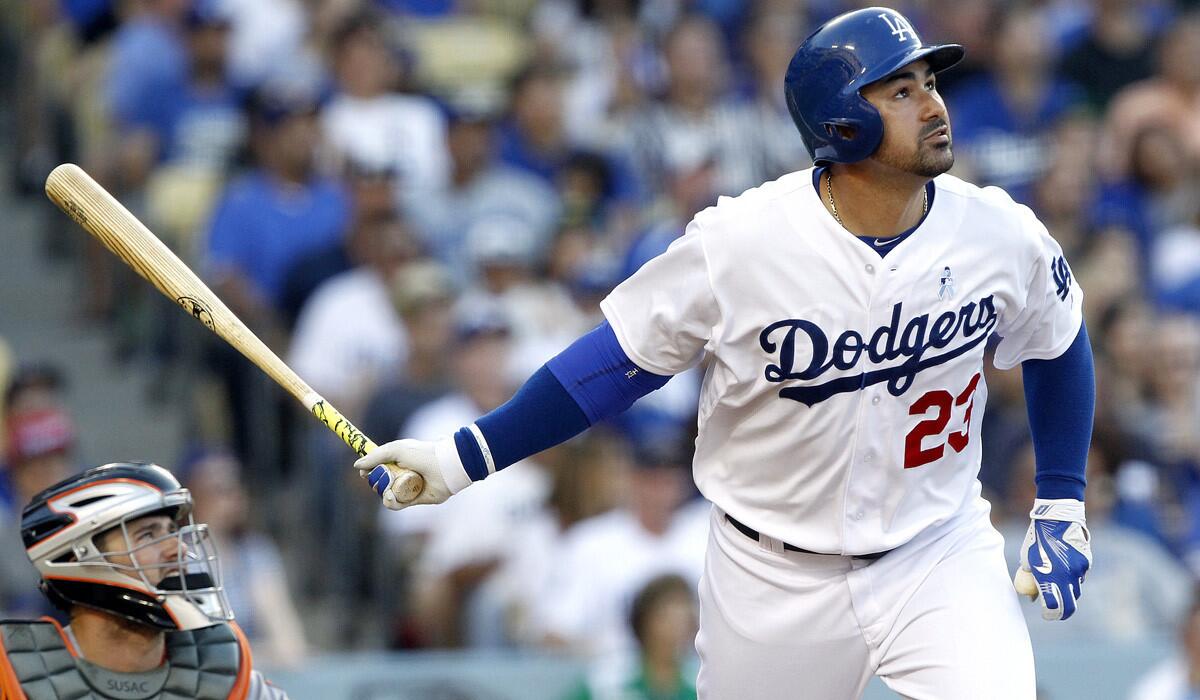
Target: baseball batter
{"type": "Point", "coordinates": [842, 314]}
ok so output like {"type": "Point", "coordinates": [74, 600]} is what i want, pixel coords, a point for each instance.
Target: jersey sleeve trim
{"type": "Point", "coordinates": [622, 339]}
{"type": "Point", "coordinates": [1038, 354]}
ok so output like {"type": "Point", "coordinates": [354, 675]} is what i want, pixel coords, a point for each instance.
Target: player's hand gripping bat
{"type": "Point", "coordinates": [93, 208]}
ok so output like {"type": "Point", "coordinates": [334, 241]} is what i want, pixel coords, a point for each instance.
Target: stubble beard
{"type": "Point", "coordinates": [929, 160]}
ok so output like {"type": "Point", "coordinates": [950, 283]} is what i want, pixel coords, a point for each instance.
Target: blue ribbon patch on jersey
{"type": "Point", "coordinates": [974, 321]}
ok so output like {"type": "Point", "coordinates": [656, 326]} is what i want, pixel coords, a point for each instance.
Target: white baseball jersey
{"type": "Point", "coordinates": [843, 396]}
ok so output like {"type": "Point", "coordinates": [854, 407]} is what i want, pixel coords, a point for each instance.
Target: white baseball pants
{"type": "Point", "coordinates": [936, 619]}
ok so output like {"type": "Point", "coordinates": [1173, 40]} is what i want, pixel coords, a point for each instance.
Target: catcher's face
{"type": "Point", "coordinates": [148, 545]}
{"type": "Point", "coordinates": [916, 126]}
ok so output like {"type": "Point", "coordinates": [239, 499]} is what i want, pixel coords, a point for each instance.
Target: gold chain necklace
{"type": "Point", "coordinates": [833, 204]}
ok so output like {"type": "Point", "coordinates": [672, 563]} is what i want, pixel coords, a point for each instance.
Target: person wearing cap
{"type": "Point", "coordinates": [505, 252]}
{"type": "Point", "coordinates": [277, 212]}
{"type": "Point", "coordinates": [117, 550]}
{"type": "Point", "coordinates": [39, 439]}
{"type": "Point", "coordinates": [480, 187]}
{"type": "Point", "coordinates": [424, 295]}
{"type": "Point", "coordinates": [463, 552]}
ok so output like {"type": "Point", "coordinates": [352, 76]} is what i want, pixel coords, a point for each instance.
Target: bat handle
{"type": "Point", "coordinates": [406, 483]}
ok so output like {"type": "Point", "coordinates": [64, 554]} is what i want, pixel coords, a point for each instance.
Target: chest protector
{"type": "Point", "coordinates": [38, 663]}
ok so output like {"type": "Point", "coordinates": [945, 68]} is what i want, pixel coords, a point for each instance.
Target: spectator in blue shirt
{"type": "Point", "coordinates": [1003, 119]}
{"type": "Point", "coordinates": [206, 125]}
{"type": "Point", "coordinates": [276, 213]}
{"type": "Point", "coordinates": [147, 73]}
{"type": "Point", "coordinates": [181, 106]}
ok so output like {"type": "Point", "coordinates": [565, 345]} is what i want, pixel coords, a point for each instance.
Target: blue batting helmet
{"type": "Point", "coordinates": [839, 59]}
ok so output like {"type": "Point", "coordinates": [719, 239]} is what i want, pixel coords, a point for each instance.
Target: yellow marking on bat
{"type": "Point", "coordinates": [344, 429]}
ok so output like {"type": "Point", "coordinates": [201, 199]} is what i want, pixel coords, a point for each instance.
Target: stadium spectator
{"type": "Point", "coordinates": [256, 581]}
{"type": "Point", "coordinates": [480, 187]}
{"type": "Point", "coordinates": [1175, 268]}
{"type": "Point", "coordinates": [373, 200]}
{"type": "Point", "coordinates": [458, 551]}
{"type": "Point", "coordinates": [39, 442]}
{"type": "Point", "coordinates": [1002, 119]}
{"type": "Point", "coordinates": [424, 295]}
{"type": "Point", "coordinates": [271, 216]}
{"type": "Point", "coordinates": [32, 387]}
{"type": "Point", "coordinates": [268, 42]}
{"type": "Point", "coordinates": [1157, 193]}
{"type": "Point", "coordinates": [505, 256]}
{"type": "Point", "coordinates": [693, 115]}
{"type": "Point", "coordinates": [1117, 50]}
{"type": "Point", "coordinates": [611, 60]}
{"type": "Point", "coordinates": [372, 125]}
{"type": "Point", "coordinates": [585, 605]}
{"type": "Point", "coordinates": [147, 74]}
{"type": "Point", "coordinates": [768, 43]}
{"type": "Point", "coordinates": [1176, 678]}
{"type": "Point", "coordinates": [349, 336]}
{"type": "Point", "coordinates": [1170, 100]}
{"type": "Point", "coordinates": [663, 620]}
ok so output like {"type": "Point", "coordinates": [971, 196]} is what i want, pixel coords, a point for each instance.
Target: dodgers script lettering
{"type": "Point", "coordinates": [971, 324]}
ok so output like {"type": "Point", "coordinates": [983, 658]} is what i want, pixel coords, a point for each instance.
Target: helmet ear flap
{"type": "Point", "coordinates": [840, 130]}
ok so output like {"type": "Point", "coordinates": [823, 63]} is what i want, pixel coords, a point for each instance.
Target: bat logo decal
{"type": "Point", "coordinates": [198, 311]}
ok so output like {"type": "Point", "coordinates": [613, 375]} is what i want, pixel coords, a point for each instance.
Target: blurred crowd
{"type": "Point", "coordinates": [417, 202]}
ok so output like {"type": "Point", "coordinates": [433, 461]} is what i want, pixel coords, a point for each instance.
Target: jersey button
{"type": "Point", "coordinates": [875, 399]}
{"type": "Point", "coordinates": [859, 515]}
{"type": "Point", "coordinates": [868, 456]}
{"type": "Point", "coordinates": [870, 269]}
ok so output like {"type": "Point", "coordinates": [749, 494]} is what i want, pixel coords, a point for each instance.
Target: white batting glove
{"type": "Point", "coordinates": [436, 462]}
{"type": "Point", "coordinates": [1057, 554]}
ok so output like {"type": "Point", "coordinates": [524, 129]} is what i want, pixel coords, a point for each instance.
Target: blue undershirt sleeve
{"type": "Point", "coordinates": [1060, 395]}
{"type": "Point", "coordinates": [590, 381]}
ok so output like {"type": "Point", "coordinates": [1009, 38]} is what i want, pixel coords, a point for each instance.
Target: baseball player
{"type": "Point", "coordinates": [119, 553]}
{"type": "Point", "coordinates": [842, 313]}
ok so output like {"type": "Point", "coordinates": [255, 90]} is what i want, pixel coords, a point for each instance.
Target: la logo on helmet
{"type": "Point", "coordinates": [899, 26]}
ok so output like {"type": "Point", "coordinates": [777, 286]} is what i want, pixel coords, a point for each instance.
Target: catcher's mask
{"type": "Point", "coordinates": [120, 538]}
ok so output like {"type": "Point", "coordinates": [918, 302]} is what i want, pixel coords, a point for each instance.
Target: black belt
{"type": "Point", "coordinates": [753, 534]}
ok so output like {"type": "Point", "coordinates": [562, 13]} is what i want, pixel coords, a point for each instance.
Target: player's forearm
{"type": "Point", "coordinates": [1061, 398]}
{"type": "Point", "coordinates": [590, 381]}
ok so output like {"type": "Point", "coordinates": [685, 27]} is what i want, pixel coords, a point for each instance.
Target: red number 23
{"type": "Point", "coordinates": [914, 454]}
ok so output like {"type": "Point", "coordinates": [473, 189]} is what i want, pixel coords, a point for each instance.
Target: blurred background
{"type": "Point", "coordinates": [417, 202]}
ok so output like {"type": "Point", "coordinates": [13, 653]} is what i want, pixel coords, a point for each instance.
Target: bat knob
{"type": "Point", "coordinates": [406, 485]}
{"type": "Point", "coordinates": [1025, 584]}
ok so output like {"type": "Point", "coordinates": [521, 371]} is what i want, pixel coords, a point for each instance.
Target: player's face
{"type": "Point", "coordinates": [916, 127]}
{"type": "Point", "coordinates": [151, 546]}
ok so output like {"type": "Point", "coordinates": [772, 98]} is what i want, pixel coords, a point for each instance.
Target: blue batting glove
{"type": "Point", "coordinates": [1058, 553]}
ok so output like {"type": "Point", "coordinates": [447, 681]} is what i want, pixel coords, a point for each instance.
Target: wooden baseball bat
{"type": "Point", "coordinates": [97, 211]}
